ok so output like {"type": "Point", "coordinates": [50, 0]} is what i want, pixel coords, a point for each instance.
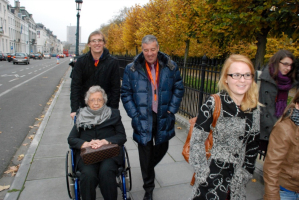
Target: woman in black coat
{"type": "Point", "coordinates": [97, 125]}
{"type": "Point", "coordinates": [277, 78]}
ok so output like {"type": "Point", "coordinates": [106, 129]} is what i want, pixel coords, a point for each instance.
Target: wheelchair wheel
{"type": "Point", "coordinates": [128, 171]}
{"type": "Point", "coordinates": [69, 173]}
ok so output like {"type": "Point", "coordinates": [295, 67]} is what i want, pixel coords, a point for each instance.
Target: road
{"type": "Point", "coordinates": [24, 92]}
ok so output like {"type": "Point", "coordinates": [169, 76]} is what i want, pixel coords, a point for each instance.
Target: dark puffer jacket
{"type": "Point", "coordinates": [85, 75]}
{"type": "Point", "coordinates": [136, 95]}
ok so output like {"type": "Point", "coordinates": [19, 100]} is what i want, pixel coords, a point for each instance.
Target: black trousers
{"type": "Point", "coordinates": [149, 156]}
{"type": "Point", "coordinates": [102, 174]}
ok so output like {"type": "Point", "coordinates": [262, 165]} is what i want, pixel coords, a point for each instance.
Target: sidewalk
{"type": "Point", "coordinates": [42, 173]}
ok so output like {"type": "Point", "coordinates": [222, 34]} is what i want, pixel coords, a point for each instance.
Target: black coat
{"type": "Point", "coordinates": [112, 130]}
{"type": "Point", "coordinates": [85, 75]}
{"type": "Point", "coordinates": [267, 96]}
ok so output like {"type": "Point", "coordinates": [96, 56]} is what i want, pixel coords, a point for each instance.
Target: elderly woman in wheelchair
{"type": "Point", "coordinates": [97, 125]}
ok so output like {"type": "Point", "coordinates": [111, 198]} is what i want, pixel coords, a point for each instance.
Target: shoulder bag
{"type": "Point", "coordinates": [209, 141]}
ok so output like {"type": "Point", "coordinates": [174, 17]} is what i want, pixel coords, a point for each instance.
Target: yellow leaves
{"type": "Point", "coordinates": [12, 170]}
{"type": "Point", "coordinates": [4, 187]}
{"type": "Point", "coordinates": [0, 132]}
{"type": "Point", "coordinates": [25, 144]}
{"type": "Point", "coordinates": [179, 127]}
{"type": "Point", "coordinates": [253, 180]}
{"type": "Point", "coordinates": [20, 157]}
{"type": "Point", "coordinates": [31, 137]}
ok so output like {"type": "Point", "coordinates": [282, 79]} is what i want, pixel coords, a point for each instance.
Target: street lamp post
{"type": "Point", "coordinates": [78, 6]}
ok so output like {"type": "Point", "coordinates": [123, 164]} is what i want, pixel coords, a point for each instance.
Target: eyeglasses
{"type": "Point", "coordinates": [97, 41]}
{"type": "Point", "coordinates": [286, 64]}
{"type": "Point", "coordinates": [95, 100]}
{"type": "Point", "coordinates": [238, 76]}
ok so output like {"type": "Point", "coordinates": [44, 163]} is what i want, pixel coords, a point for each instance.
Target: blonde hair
{"type": "Point", "coordinates": [251, 97]}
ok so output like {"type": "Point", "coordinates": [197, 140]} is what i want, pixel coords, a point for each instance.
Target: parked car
{"type": "Point", "coordinates": [3, 56]}
{"type": "Point", "coordinates": [21, 58]}
{"type": "Point", "coordinates": [53, 55]}
{"type": "Point", "coordinates": [61, 55]}
{"type": "Point", "coordinates": [47, 55]}
{"type": "Point", "coordinates": [9, 56]}
{"type": "Point", "coordinates": [38, 56]}
{"type": "Point", "coordinates": [31, 55]}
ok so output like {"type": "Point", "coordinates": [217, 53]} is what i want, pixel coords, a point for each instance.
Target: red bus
{"type": "Point", "coordinates": [66, 52]}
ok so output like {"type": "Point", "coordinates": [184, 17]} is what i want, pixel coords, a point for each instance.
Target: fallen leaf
{"type": "Point", "coordinates": [40, 104]}
{"type": "Point", "coordinates": [0, 131]}
{"type": "Point", "coordinates": [30, 126]}
{"type": "Point", "coordinates": [31, 137]}
{"type": "Point", "coordinates": [20, 157]}
{"type": "Point", "coordinates": [42, 116]}
{"type": "Point", "coordinates": [25, 144]}
{"type": "Point", "coordinates": [48, 103]}
{"type": "Point", "coordinates": [36, 125]}
{"type": "Point", "coordinates": [253, 180]}
{"type": "Point", "coordinates": [4, 187]}
{"type": "Point", "coordinates": [179, 127]}
{"type": "Point", "coordinates": [13, 170]}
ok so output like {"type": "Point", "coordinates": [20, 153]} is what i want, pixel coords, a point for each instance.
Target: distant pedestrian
{"type": "Point", "coordinates": [281, 167]}
{"type": "Point", "coordinates": [57, 58]}
{"type": "Point", "coordinates": [96, 67]}
{"type": "Point", "coordinates": [235, 137]}
{"type": "Point", "coordinates": [277, 78]}
{"type": "Point", "coordinates": [151, 92]}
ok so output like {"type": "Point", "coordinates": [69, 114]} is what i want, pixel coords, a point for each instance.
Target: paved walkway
{"type": "Point", "coordinates": [42, 173]}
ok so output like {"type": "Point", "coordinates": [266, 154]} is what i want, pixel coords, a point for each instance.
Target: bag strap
{"type": "Point", "coordinates": [217, 108]}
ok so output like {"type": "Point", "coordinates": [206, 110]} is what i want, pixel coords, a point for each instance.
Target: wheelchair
{"type": "Point", "coordinates": [124, 180]}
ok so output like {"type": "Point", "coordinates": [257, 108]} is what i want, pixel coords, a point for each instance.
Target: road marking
{"type": "Point", "coordinates": [30, 73]}
{"type": "Point", "coordinates": [0, 84]}
{"type": "Point", "coordinates": [22, 76]}
{"type": "Point", "coordinates": [13, 72]}
{"type": "Point", "coordinates": [13, 80]}
{"type": "Point", "coordinates": [5, 75]}
{"type": "Point", "coordinates": [9, 90]}
{"type": "Point", "coordinates": [35, 71]}
{"type": "Point", "coordinates": [21, 70]}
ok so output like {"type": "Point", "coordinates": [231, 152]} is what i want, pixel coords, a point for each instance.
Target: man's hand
{"type": "Point", "coordinates": [73, 114]}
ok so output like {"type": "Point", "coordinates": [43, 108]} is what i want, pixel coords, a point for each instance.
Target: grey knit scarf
{"type": "Point", "coordinates": [295, 116]}
{"type": "Point", "coordinates": [88, 117]}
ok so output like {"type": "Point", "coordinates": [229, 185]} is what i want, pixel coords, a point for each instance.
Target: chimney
{"type": "Point", "coordinates": [17, 4]}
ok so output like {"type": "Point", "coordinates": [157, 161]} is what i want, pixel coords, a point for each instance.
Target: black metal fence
{"type": "Point", "coordinates": [200, 77]}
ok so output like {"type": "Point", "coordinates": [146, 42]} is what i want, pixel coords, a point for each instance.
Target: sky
{"type": "Point", "coordinates": [56, 15]}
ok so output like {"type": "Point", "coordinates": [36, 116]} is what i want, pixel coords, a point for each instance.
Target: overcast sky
{"type": "Point", "coordinates": [56, 15]}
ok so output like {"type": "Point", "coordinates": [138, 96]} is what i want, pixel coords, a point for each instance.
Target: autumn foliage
{"type": "Point", "coordinates": [209, 27]}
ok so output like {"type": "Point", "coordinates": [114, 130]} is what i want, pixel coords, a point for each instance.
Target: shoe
{"type": "Point", "coordinates": [148, 196]}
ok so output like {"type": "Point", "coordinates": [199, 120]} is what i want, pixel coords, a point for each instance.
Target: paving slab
{"type": "Point", "coordinates": [47, 168]}
{"type": "Point", "coordinates": [52, 150]}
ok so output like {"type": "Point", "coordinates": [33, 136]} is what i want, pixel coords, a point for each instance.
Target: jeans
{"type": "Point", "coordinates": [288, 195]}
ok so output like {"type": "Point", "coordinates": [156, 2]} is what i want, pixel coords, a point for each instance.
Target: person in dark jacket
{"type": "Point", "coordinates": [277, 78]}
{"type": "Point", "coordinates": [96, 67]}
{"type": "Point", "coordinates": [151, 92]}
{"type": "Point", "coordinates": [97, 125]}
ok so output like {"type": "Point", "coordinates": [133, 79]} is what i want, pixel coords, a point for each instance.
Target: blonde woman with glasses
{"type": "Point", "coordinates": [235, 136]}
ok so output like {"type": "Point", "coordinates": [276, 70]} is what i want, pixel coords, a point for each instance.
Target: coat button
{"type": "Point", "coordinates": [266, 104]}
{"type": "Point", "coordinates": [236, 155]}
{"type": "Point", "coordinates": [241, 138]}
{"type": "Point", "coordinates": [266, 92]}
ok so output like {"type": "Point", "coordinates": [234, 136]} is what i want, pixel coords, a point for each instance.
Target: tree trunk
{"type": "Point", "coordinates": [261, 48]}
{"type": "Point", "coordinates": [136, 50]}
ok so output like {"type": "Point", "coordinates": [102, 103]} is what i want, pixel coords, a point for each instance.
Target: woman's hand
{"type": "Point", "coordinates": [98, 143]}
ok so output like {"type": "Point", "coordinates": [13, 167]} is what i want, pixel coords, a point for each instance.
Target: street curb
{"type": "Point", "coordinates": [20, 178]}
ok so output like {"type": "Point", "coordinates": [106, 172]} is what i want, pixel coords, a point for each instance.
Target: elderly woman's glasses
{"type": "Point", "coordinates": [238, 76]}
{"type": "Point", "coordinates": [95, 100]}
{"type": "Point", "coordinates": [286, 64]}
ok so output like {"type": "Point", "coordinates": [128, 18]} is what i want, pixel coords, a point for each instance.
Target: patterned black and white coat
{"type": "Point", "coordinates": [234, 152]}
